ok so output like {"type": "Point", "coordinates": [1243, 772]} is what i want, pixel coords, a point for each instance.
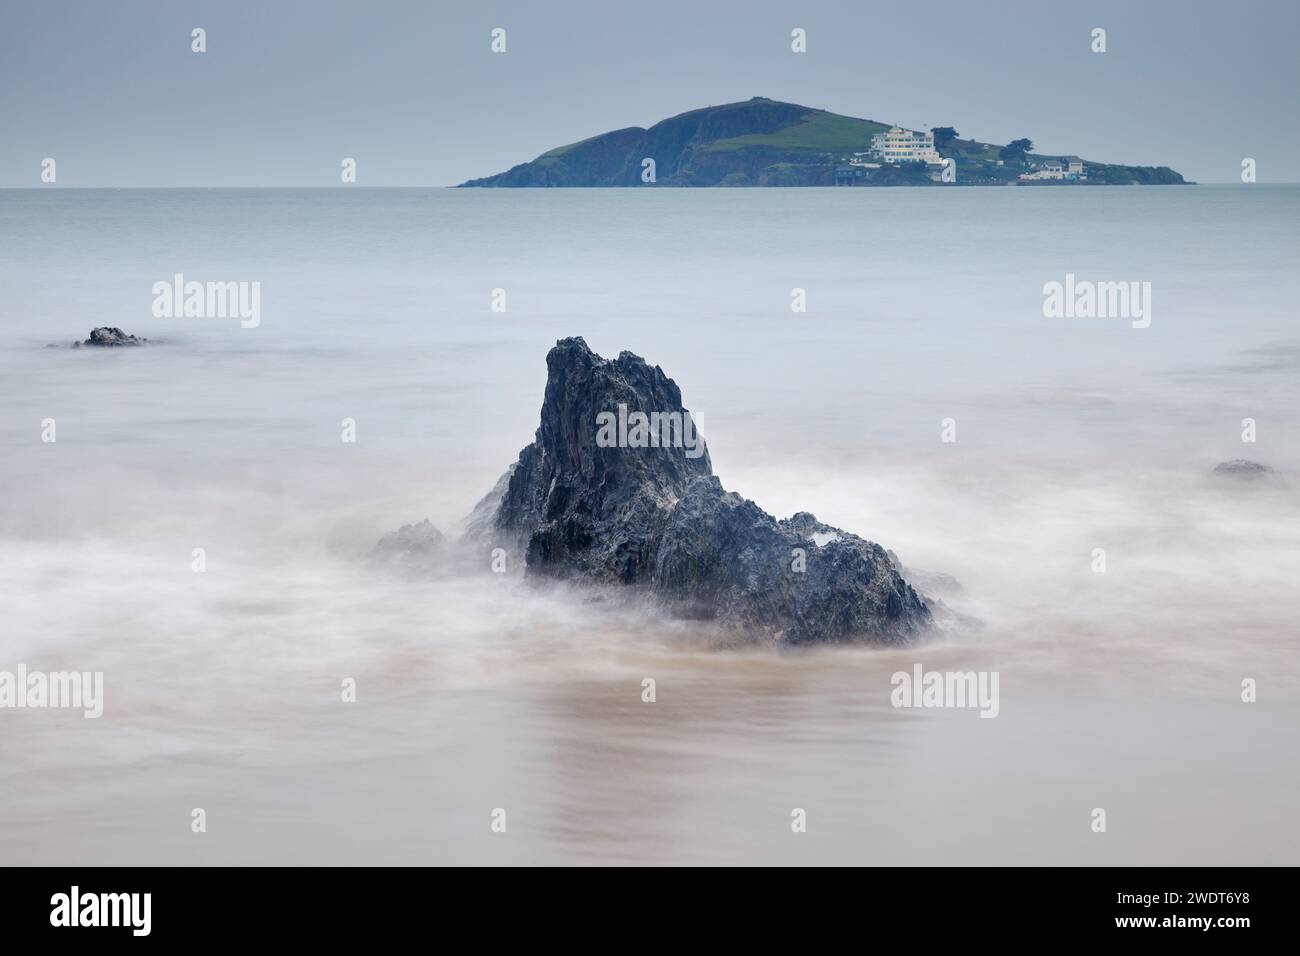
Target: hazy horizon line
{"type": "Point", "coordinates": [52, 187]}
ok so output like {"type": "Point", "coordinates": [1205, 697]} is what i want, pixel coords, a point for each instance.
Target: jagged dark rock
{"type": "Point", "coordinates": [577, 509]}
{"type": "Point", "coordinates": [109, 337]}
{"type": "Point", "coordinates": [1241, 468]}
{"type": "Point", "coordinates": [657, 519]}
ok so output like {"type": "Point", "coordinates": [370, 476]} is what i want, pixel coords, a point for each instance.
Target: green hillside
{"type": "Point", "coordinates": [815, 132]}
{"type": "Point", "coordinates": [763, 142]}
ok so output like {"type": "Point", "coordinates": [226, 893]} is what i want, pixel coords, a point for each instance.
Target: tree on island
{"type": "Point", "coordinates": [1015, 150]}
{"type": "Point", "coordinates": [943, 135]}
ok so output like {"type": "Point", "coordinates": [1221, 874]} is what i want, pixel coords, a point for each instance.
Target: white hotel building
{"type": "Point", "coordinates": [898, 145]}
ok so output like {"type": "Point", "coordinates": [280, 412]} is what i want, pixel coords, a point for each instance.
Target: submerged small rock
{"type": "Point", "coordinates": [107, 336]}
{"type": "Point", "coordinates": [417, 546]}
{"type": "Point", "coordinates": [1242, 468]}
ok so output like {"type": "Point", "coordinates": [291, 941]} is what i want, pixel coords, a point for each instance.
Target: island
{"type": "Point", "coordinates": [763, 142]}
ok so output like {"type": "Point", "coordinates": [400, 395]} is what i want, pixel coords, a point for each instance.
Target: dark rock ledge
{"type": "Point", "coordinates": [107, 336]}
{"type": "Point", "coordinates": [656, 520]}
{"type": "Point", "coordinates": [1242, 468]}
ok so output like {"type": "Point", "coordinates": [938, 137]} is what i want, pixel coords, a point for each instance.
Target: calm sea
{"type": "Point", "coordinates": [1119, 690]}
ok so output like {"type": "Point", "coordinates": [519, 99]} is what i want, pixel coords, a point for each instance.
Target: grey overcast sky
{"type": "Point", "coordinates": [411, 89]}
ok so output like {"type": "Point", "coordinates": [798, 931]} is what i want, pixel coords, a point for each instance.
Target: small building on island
{"type": "Point", "coordinates": [1066, 169]}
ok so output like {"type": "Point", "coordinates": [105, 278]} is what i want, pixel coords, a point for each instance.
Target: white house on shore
{"type": "Point", "coordinates": [863, 160]}
{"type": "Point", "coordinates": [1068, 168]}
{"type": "Point", "coordinates": [898, 145]}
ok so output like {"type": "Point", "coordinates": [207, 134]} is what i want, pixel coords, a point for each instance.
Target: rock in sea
{"type": "Point", "coordinates": [648, 515]}
{"type": "Point", "coordinates": [417, 547]}
{"type": "Point", "coordinates": [1241, 468]}
{"type": "Point", "coordinates": [109, 337]}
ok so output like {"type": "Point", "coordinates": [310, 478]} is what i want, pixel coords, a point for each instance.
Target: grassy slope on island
{"type": "Point", "coordinates": [816, 132]}
{"type": "Point", "coordinates": [762, 142]}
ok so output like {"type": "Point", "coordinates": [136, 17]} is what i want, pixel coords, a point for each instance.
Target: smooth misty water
{"type": "Point", "coordinates": [1118, 690]}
